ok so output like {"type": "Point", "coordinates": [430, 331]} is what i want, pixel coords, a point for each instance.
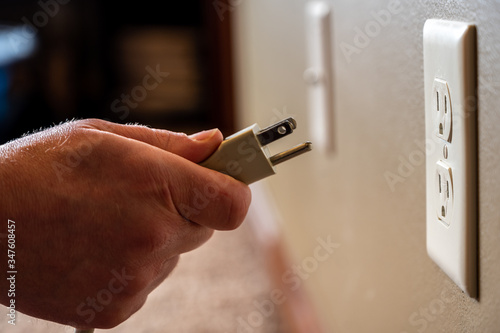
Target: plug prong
{"type": "Point", "coordinates": [291, 153]}
{"type": "Point", "coordinates": [276, 131]}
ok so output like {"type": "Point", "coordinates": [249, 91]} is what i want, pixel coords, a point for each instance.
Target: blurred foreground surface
{"type": "Point", "coordinates": [212, 290]}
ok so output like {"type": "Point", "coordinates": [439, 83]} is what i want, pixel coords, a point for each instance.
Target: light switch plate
{"type": "Point", "coordinates": [318, 74]}
{"type": "Point", "coordinates": [451, 141]}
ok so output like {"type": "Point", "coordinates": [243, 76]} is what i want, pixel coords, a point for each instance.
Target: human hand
{"type": "Point", "coordinates": [102, 212]}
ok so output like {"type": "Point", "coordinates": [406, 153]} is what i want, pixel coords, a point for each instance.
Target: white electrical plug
{"type": "Point", "coordinates": [245, 156]}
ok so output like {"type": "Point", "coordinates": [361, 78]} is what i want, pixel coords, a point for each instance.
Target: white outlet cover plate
{"type": "Point", "coordinates": [450, 55]}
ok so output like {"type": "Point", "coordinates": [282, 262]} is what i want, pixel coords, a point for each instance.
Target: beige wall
{"type": "Point", "coordinates": [380, 279]}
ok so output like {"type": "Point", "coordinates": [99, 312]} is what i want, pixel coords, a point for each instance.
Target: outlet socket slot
{"type": "Point", "coordinates": [444, 192]}
{"type": "Point", "coordinates": [442, 105]}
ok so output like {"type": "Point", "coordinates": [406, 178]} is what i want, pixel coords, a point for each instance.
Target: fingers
{"type": "Point", "coordinates": [208, 197]}
{"type": "Point", "coordinates": [195, 148]}
{"type": "Point", "coordinates": [203, 196]}
{"type": "Point", "coordinates": [168, 235]}
{"type": "Point", "coordinates": [197, 194]}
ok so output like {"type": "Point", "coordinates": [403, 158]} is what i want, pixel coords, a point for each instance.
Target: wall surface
{"type": "Point", "coordinates": [379, 278]}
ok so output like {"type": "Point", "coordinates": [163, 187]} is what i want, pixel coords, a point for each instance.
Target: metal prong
{"type": "Point", "coordinates": [276, 131]}
{"type": "Point", "coordinates": [291, 153]}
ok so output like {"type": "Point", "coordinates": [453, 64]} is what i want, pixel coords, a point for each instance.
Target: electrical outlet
{"type": "Point", "coordinates": [451, 161]}
{"type": "Point", "coordinates": [442, 106]}
{"type": "Point", "coordinates": [444, 191]}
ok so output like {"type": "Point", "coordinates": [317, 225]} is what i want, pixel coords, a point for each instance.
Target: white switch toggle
{"type": "Point", "coordinates": [318, 74]}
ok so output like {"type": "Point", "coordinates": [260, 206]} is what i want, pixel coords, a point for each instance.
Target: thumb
{"type": "Point", "coordinates": [202, 145]}
{"type": "Point", "coordinates": [195, 148]}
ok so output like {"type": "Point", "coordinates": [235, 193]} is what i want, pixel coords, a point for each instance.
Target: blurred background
{"type": "Point", "coordinates": [76, 59]}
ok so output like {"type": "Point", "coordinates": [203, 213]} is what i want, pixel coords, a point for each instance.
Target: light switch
{"type": "Point", "coordinates": [318, 74]}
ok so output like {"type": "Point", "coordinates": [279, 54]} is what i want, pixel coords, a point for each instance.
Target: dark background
{"type": "Point", "coordinates": [89, 53]}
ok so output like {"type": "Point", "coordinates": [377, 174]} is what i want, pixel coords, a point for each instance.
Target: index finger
{"type": "Point", "coordinates": [190, 148]}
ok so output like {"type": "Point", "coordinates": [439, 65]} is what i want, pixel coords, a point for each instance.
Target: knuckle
{"type": "Point", "coordinates": [141, 280]}
{"type": "Point", "coordinates": [148, 239]}
{"type": "Point", "coordinates": [163, 138]}
{"type": "Point", "coordinates": [93, 123]}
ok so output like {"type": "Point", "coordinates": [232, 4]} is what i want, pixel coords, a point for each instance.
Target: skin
{"type": "Point", "coordinates": [93, 201]}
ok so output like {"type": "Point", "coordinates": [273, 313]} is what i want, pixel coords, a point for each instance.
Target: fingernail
{"type": "Point", "coordinates": [203, 135]}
